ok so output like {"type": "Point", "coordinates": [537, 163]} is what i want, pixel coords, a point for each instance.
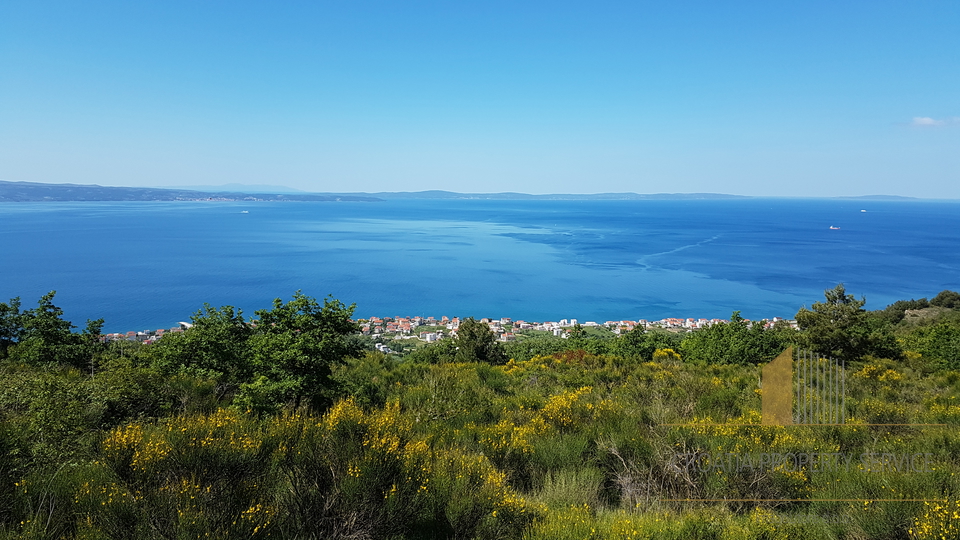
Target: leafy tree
{"type": "Point", "coordinates": [285, 357]}
{"type": "Point", "coordinates": [641, 344]}
{"type": "Point", "coordinates": [475, 342]}
{"type": "Point", "coordinates": [45, 330]}
{"type": "Point", "coordinates": [577, 338]}
{"type": "Point", "coordinates": [840, 327]}
{"type": "Point", "coordinates": [214, 347]}
{"type": "Point", "coordinates": [437, 352]}
{"type": "Point", "coordinates": [120, 391]}
{"type": "Point", "coordinates": [11, 325]}
{"type": "Point", "coordinates": [92, 345]}
{"type": "Point", "coordinates": [42, 336]}
{"type": "Point", "coordinates": [947, 299]}
{"type": "Point", "coordinates": [736, 342]}
{"type": "Point", "coordinates": [580, 340]}
{"type": "Point", "coordinates": [294, 347]}
{"type": "Point", "coordinates": [895, 312]}
{"type": "Point", "coordinates": [939, 342]}
{"type": "Point", "coordinates": [367, 379]}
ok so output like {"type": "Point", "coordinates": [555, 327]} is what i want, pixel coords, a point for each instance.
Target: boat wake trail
{"type": "Point", "coordinates": [642, 261]}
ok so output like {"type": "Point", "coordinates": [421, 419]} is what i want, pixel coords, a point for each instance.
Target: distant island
{"type": "Point", "coordinates": [37, 192]}
{"type": "Point", "coordinates": [512, 196]}
{"type": "Point", "coordinates": [40, 192]}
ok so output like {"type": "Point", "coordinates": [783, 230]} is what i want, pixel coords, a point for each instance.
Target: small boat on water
{"type": "Point", "coordinates": [832, 228]}
{"type": "Point", "coordinates": [244, 212]}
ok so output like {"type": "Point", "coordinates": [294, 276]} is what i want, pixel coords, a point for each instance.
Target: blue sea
{"type": "Point", "coordinates": [149, 265]}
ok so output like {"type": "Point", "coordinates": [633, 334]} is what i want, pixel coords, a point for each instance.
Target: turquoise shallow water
{"type": "Point", "coordinates": [149, 265]}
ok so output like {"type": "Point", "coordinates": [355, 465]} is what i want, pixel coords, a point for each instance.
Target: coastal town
{"type": "Point", "coordinates": [430, 329]}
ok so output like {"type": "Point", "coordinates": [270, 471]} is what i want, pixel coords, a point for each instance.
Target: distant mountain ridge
{"type": "Point", "coordinates": [39, 192]}
{"type": "Point", "coordinates": [238, 188]}
{"type": "Point", "coordinates": [439, 194]}
{"type": "Point", "coordinates": [878, 197]}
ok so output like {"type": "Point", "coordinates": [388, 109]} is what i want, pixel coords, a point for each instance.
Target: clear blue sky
{"type": "Point", "coordinates": [756, 98]}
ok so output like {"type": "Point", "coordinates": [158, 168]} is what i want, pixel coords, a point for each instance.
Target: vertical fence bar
{"type": "Point", "coordinates": [813, 390]}
{"type": "Point", "coordinates": [843, 392]}
{"type": "Point", "coordinates": [819, 392]}
{"type": "Point", "coordinates": [809, 399]}
{"type": "Point", "coordinates": [824, 390]}
{"type": "Point", "coordinates": [820, 389]}
{"type": "Point", "coordinates": [828, 392]}
{"type": "Point", "coordinates": [833, 391]}
{"type": "Point", "coordinates": [800, 387]}
{"type": "Point", "coordinates": [825, 415]}
{"type": "Point", "coordinates": [830, 395]}
{"type": "Point", "coordinates": [835, 416]}
{"type": "Point", "coordinates": [833, 395]}
{"type": "Point", "coordinates": [795, 409]}
{"type": "Point", "coordinates": [810, 387]}
{"type": "Point", "coordinates": [803, 365]}
{"type": "Point", "coordinates": [809, 390]}
{"type": "Point", "coordinates": [839, 393]}
{"type": "Point", "coordinates": [803, 378]}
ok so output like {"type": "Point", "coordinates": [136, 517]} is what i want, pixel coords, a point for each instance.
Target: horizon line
{"type": "Point", "coordinates": [294, 192]}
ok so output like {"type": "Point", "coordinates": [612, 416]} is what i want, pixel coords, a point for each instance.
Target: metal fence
{"type": "Point", "coordinates": [820, 385]}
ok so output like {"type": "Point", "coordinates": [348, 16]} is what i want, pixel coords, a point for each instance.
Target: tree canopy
{"type": "Point", "coordinates": [640, 343]}
{"type": "Point", "coordinates": [41, 335]}
{"type": "Point", "coordinates": [284, 356]}
{"type": "Point", "coordinates": [736, 342]}
{"type": "Point", "coordinates": [475, 342]}
{"type": "Point", "coordinates": [841, 328]}
{"type": "Point", "coordinates": [947, 299]}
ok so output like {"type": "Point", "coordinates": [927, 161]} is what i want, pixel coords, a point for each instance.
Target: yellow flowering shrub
{"type": "Point", "coordinates": [878, 373]}
{"type": "Point", "coordinates": [939, 520]}
{"type": "Point", "coordinates": [943, 413]}
{"type": "Point", "coordinates": [506, 437]}
{"type": "Point", "coordinates": [191, 441]}
{"type": "Point", "coordinates": [877, 411]}
{"type": "Point", "coordinates": [666, 355]}
{"type": "Point", "coordinates": [196, 474]}
{"type": "Point", "coordinates": [571, 410]}
{"type": "Point", "coordinates": [134, 444]}
{"type": "Point", "coordinates": [476, 496]}
{"type": "Point", "coordinates": [376, 451]}
{"type": "Point", "coordinates": [573, 522]}
{"type": "Point", "coordinates": [344, 415]}
{"type": "Point", "coordinates": [584, 522]}
{"type": "Point", "coordinates": [519, 368]}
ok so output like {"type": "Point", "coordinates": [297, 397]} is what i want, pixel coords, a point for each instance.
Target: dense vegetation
{"type": "Point", "coordinates": [288, 425]}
